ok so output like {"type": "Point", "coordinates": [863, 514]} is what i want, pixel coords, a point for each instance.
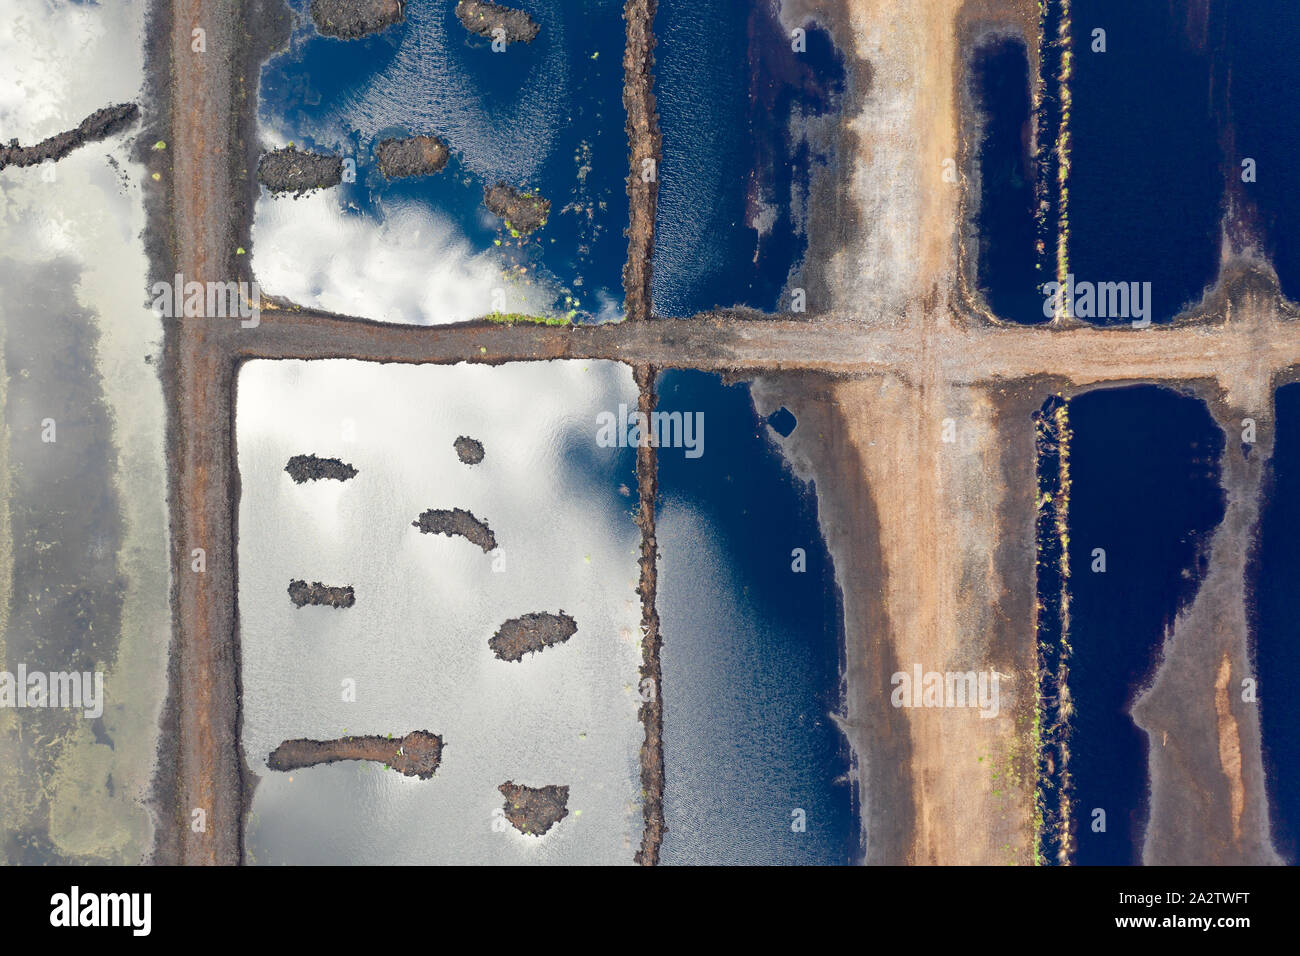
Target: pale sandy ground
{"type": "Point", "coordinates": [934, 541]}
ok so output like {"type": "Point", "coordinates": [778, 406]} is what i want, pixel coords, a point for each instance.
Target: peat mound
{"type": "Point", "coordinates": [530, 633]}
{"type": "Point", "coordinates": [458, 521]}
{"type": "Point", "coordinates": [418, 754]}
{"type": "Point", "coordinates": [534, 810]}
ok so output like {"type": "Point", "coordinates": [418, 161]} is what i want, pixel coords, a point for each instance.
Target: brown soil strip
{"type": "Point", "coordinates": [643, 143]}
{"type": "Point", "coordinates": [484, 18]}
{"type": "Point", "coordinates": [469, 450]}
{"type": "Point", "coordinates": [534, 810]}
{"type": "Point", "coordinates": [416, 156]}
{"type": "Point", "coordinates": [301, 594]}
{"type": "Point", "coordinates": [1260, 338]}
{"type": "Point", "coordinates": [98, 125]}
{"type": "Point", "coordinates": [531, 633]}
{"type": "Point", "coordinates": [303, 468]}
{"type": "Point", "coordinates": [457, 521]}
{"type": "Point", "coordinates": [198, 213]}
{"type": "Point", "coordinates": [418, 754]}
{"type": "Point", "coordinates": [353, 19]}
{"type": "Point", "coordinates": [652, 709]}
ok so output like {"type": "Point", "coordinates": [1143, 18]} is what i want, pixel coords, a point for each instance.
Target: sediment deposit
{"type": "Point", "coordinates": [486, 19]}
{"type": "Point", "coordinates": [418, 754]}
{"type": "Point", "coordinates": [291, 170]}
{"type": "Point", "coordinates": [303, 468]}
{"type": "Point", "coordinates": [531, 633]}
{"type": "Point", "coordinates": [457, 521]}
{"type": "Point", "coordinates": [534, 810]}
{"type": "Point", "coordinates": [522, 212]}
{"type": "Point", "coordinates": [353, 19]}
{"type": "Point", "coordinates": [98, 125]}
{"type": "Point", "coordinates": [414, 156]}
{"type": "Point", "coordinates": [469, 450]}
{"type": "Point", "coordinates": [301, 594]}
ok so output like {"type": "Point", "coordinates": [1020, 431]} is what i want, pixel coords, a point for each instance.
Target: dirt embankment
{"type": "Point", "coordinates": [310, 468]}
{"type": "Point", "coordinates": [291, 170]}
{"type": "Point", "coordinates": [413, 156]}
{"type": "Point", "coordinates": [301, 594]}
{"type": "Point", "coordinates": [534, 810]}
{"type": "Point", "coordinates": [523, 212]}
{"type": "Point", "coordinates": [98, 125]}
{"type": "Point", "coordinates": [353, 19]}
{"type": "Point", "coordinates": [651, 711]}
{"type": "Point", "coordinates": [457, 521]}
{"type": "Point", "coordinates": [645, 153]}
{"type": "Point", "coordinates": [418, 754]}
{"type": "Point", "coordinates": [469, 450]}
{"type": "Point", "coordinates": [486, 19]}
{"type": "Point", "coordinates": [530, 633]}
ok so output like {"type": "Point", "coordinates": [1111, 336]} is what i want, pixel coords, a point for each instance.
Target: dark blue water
{"type": "Point", "coordinates": [1145, 487]}
{"type": "Point", "coordinates": [734, 180]}
{"type": "Point", "coordinates": [1146, 182]}
{"type": "Point", "coordinates": [752, 650]}
{"type": "Point", "coordinates": [1276, 625]}
{"type": "Point", "coordinates": [546, 115]}
{"type": "Point", "coordinates": [1051, 429]}
{"type": "Point", "coordinates": [1010, 269]}
{"type": "Point", "coordinates": [1261, 74]}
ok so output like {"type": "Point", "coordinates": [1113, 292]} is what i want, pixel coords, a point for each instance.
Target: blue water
{"type": "Point", "coordinates": [1009, 270]}
{"type": "Point", "coordinates": [752, 650]}
{"type": "Point", "coordinates": [1049, 571]}
{"type": "Point", "coordinates": [1261, 74]}
{"type": "Point", "coordinates": [1276, 626]}
{"type": "Point", "coordinates": [1146, 182]}
{"type": "Point", "coordinates": [728, 85]}
{"type": "Point", "coordinates": [1145, 487]}
{"type": "Point", "coordinates": [546, 115]}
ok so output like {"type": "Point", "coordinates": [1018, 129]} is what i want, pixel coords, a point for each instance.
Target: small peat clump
{"type": "Point", "coordinates": [469, 450]}
{"type": "Point", "coordinates": [98, 125]}
{"type": "Point", "coordinates": [485, 19]}
{"type": "Point", "coordinates": [523, 212]}
{"type": "Point", "coordinates": [415, 156]}
{"type": "Point", "coordinates": [532, 632]}
{"type": "Point", "coordinates": [310, 468]}
{"type": "Point", "coordinates": [456, 522]}
{"type": "Point", "coordinates": [353, 19]}
{"type": "Point", "coordinates": [534, 810]}
{"type": "Point", "coordinates": [301, 594]}
{"type": "Point", "coordinates": [418, 754]}
{"type": "Point", "coordinates": [290, 170]}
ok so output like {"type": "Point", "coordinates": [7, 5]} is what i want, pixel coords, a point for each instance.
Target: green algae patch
{"type": "Point", "coordinates": [511, 318]}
